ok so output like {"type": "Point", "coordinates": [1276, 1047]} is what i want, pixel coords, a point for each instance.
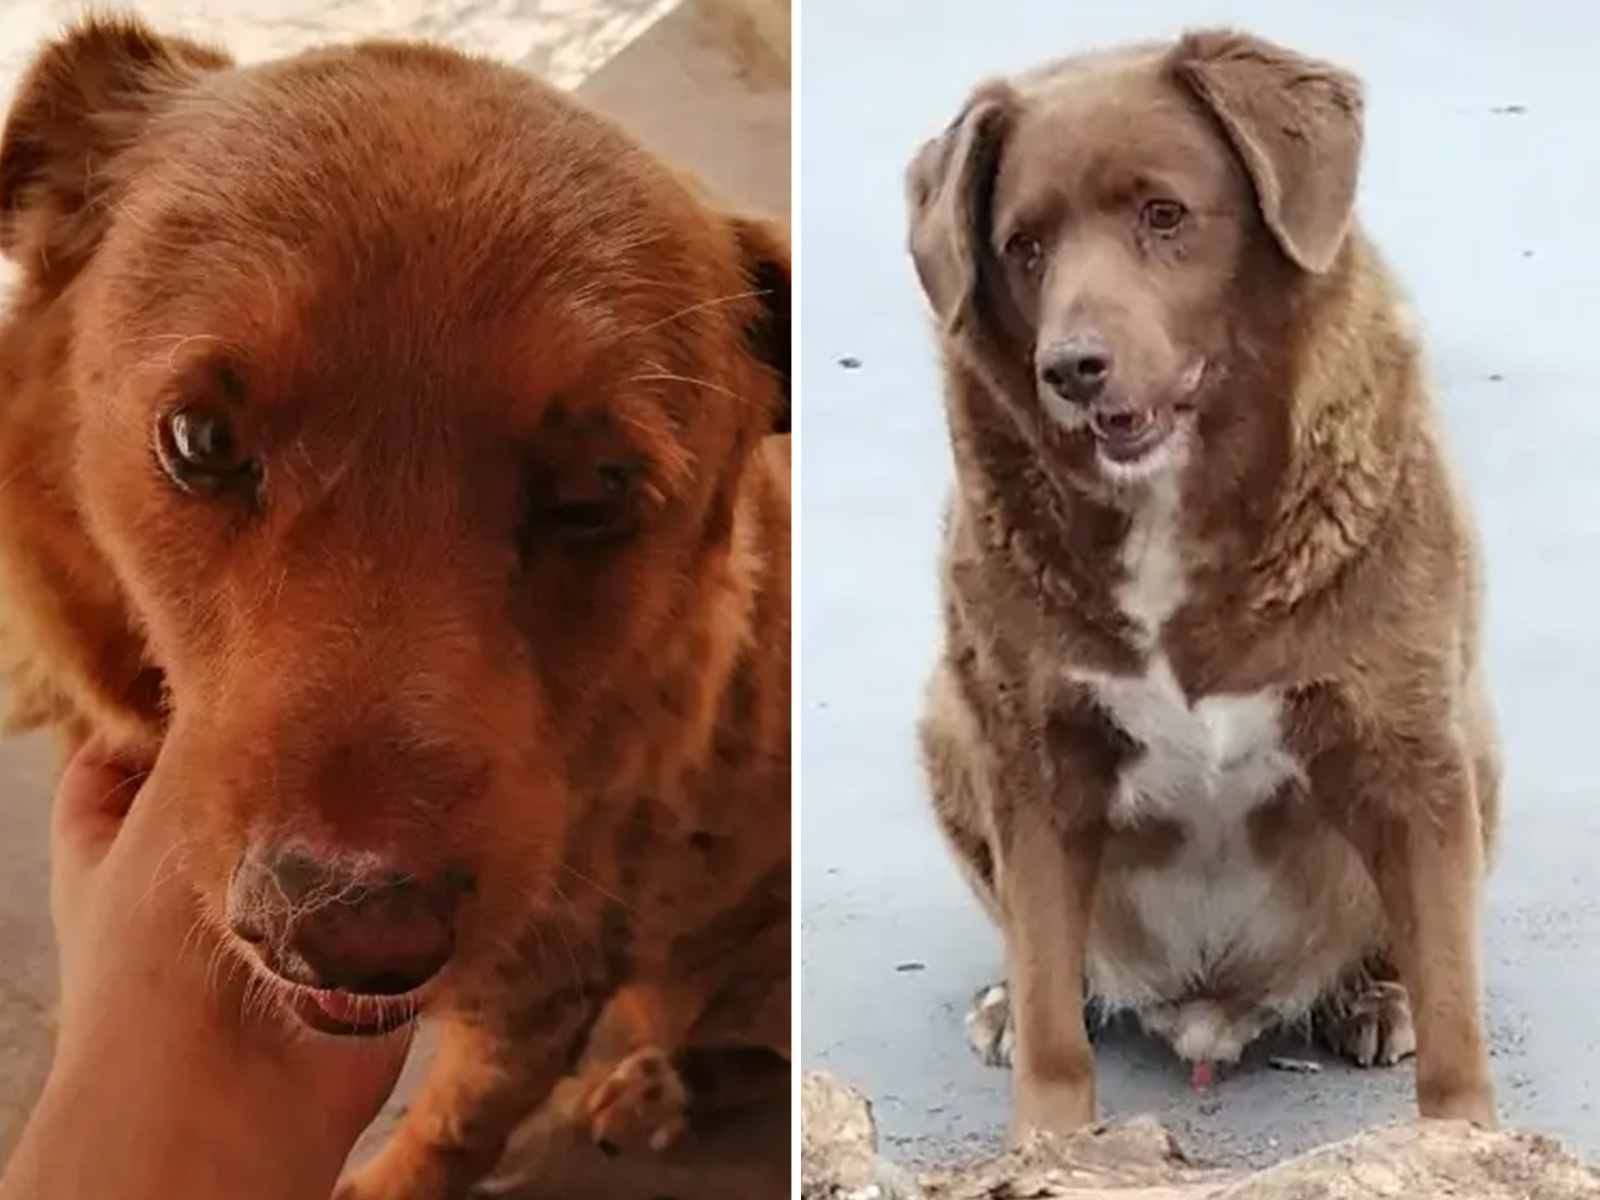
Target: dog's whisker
{"type": "Point", "coordinates": [160, 876]}
{"type": "Point", "coordinates": [702, 306]}
{"type": "Point", "coordinates": [574, 962]}
{"type": "Point", "coordinates": [593, 885]}
{"type": "Point", "coordinates": [692, 381]}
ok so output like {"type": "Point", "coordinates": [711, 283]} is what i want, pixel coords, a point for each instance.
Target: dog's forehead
{"type": "Point", "coordinates": [1109, 117]}
{"type": "Point", "coordinates": [1105, 96]}
{"type": "Point", "coordinates": [1132, 60]}
{"type": "Point", "coordinates": [415, 211]}
{"type": "Point", "coordinates": [400, 150]}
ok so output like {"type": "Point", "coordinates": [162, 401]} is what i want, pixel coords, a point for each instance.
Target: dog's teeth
{"type": "Point", "coordinates": [1122, 424]}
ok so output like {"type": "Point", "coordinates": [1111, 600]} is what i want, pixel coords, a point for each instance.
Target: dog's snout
{"type": "Point", "coordinates": [1078, 368]}
{"type": "Point", "coordinates": [345, 923]}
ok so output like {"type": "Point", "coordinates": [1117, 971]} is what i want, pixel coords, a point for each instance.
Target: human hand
{"type": "Point", "coordinates": [150, 991]}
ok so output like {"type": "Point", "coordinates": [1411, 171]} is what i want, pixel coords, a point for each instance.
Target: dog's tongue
{"type": "Point", "coordinates": [346, 1014]}
{"type": "Point", "coordinates": [344, 1007]}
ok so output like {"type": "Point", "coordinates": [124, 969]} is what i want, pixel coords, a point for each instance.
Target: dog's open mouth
{"type": "Point", "coordinates": [1126, 434]}
{"type": "Point", "coordinates": [346, 1014]}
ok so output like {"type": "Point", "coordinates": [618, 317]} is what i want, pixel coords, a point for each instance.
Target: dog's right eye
{"type": "Point", "coordinates": [1024, 250]}
{"type": "Point", "coordinates": [1163, 216]}
{"type": "Point", "coordinates": [200, 450]}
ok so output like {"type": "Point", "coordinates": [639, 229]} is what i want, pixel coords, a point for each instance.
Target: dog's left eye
{"type": "Point", "coordinates": [200, 450]}
{"type": "Point", "coordinates": [1163, 216]}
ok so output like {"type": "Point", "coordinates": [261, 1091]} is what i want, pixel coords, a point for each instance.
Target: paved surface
{"type": "Point", "coordinates": [562, 40]}
{"type": "Point", "coordinates": [683, 88]}
{"type": "Point", "coordinates": [1480, 183]}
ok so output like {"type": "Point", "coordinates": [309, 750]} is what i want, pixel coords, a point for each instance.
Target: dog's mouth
{"type": "Point", "coordinates": [1128, 434]}
{"type": "Point", "coordinates": [349, 1014]}
{"type": "Point", "coordinates": [339, 1012]}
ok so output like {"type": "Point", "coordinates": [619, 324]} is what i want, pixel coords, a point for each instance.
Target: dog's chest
{"type": "Point", "coordinates": [1206, 761]}
{"type": "Point", "coordinates": [1205, 764]}
{"type": "Point", "coordinates": [1214, 909]}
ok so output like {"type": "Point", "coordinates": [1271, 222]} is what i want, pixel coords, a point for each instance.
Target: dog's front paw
{"type": "Point", "coordinates": [359, 1184]}
{"type": "Point", "coordinates": [395, 1174]}
{"type": "Point", "coordinates": [641, 1103]}
{"type": "Point", "coordinates": [1471, 1101]}
{"type": "Point", "coordinates": [1053, 1106]}
{"type": "Point", "coordinates": [990, 1030]}
{"type": "Point", "coordinates": [1373, 1027]}
{"type": "Point", "coordinates": [362, 1183]}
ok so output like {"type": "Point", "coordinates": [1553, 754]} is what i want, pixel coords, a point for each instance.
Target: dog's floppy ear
{"type": "Point", "coordinates": [1295, 123]}
{"type": "Point", "coordinates": [82, 102]}
{"type": "Point", "coordinates": [764, 254]}
{"type": "Point", "coordinates": [949, 190]}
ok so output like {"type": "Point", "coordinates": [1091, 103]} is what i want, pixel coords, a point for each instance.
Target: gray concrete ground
{"type": "Point", "coordinates": [1480, 184]}
{"type": "Point", "coordinates": [563, 41]}
{"type": "Point", "coordinates": [701, 93]}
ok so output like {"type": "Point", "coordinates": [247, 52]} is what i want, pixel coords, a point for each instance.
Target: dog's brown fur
{"type": "Point", "coordinates": [436, 298]}
{"type": "Point", "coordinates": [1327, 567]}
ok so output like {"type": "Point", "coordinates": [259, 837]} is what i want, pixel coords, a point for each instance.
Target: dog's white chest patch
{"type": "Point", "coordinates": [1214, 905]}
{"type": "Point", "coordinates": [1154, 583]}
{"type": "Point", "coordinates": [1205, 764]}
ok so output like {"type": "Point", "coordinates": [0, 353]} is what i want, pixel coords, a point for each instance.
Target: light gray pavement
{"type": "Point", "coordinates": [1483, 185]}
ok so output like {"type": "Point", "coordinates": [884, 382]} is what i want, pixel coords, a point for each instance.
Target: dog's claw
{"type": "Point", "coordinates": [641, 1104]}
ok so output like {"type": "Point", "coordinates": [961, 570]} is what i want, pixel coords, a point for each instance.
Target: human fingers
{"type": "Point", "coordinates": [93, 797]}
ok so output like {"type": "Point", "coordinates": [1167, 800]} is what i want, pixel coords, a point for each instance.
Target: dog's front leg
{"type": "Point", "coordinates": [1414, 818]}
{"type": "Point", "coordinates": [484, 1081]}
{"type": "Point", "coordinates": [1047, 888]}
{"type": "Point", "coordinates": [635, 1093]}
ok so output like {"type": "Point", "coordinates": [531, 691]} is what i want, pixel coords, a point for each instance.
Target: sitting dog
{"type": "Point", "coordinates": [387, 455]}
{"type": "Point", "coordinates": [1208, 733]}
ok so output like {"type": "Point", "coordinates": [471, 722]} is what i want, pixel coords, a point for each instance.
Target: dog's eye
{"type": "Point", "coordinates": [1163, 216]}
{"type": "Point", "coordinates": [200, 450]}
{"type": "Point", "coordinates": [1023, 249]}
{"type": "Point", "coordinates": [597, 508]}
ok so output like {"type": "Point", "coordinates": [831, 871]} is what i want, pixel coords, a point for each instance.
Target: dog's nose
{"type": "Point", "coordinates": [1077, 369]}
{"type": "Point", "coordinates": [344, 923]}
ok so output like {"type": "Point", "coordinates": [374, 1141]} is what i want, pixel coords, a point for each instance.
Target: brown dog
{"type": "Point", "coordinates": [1208, 732]}
{"type": "Point", "coordinates": [385, 445]}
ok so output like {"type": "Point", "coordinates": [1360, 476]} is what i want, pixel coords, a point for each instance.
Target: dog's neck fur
{"type": "Point", "coordinates": [1355, 426]}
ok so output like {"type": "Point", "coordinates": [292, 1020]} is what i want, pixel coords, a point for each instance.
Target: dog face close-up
{"type": "Point", "coordinates": [406, 407]}
{"type": "Point", "coordinates": [1129, 225]}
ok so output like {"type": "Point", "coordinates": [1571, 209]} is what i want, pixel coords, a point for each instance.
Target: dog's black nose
{"type": "Point", "coordinates": [1077, 369]}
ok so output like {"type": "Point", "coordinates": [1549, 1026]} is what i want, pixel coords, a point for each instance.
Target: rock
{"type": "Point", "coordinates": [1427, 1159]}
{"type": "Point", "coordinates": [839, 1147]}
{"type": "Point", "coordinates": [1138, 1160]}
